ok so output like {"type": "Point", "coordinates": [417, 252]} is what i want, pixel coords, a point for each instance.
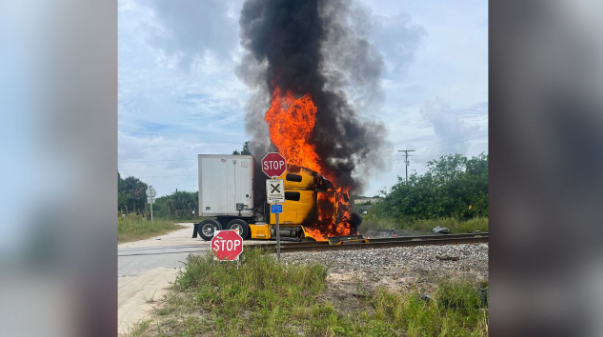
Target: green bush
{"type": "Point", "coordinates": [454, 187]}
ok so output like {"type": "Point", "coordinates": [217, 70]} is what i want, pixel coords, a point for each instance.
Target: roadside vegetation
{"type": "Point", "coordinates": [136, 227]}
{"type": "Point", "coordinates": [264, 298]}
{"type": "Point", "coordinates": [424, 226]}
{"type": "Point", "coordinates": [453, 193]}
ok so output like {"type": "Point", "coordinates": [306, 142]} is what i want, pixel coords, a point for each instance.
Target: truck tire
{"type": "Point", "coordinates": [240, 224]}
{"type": "Point", "coordinates": [207, 229]}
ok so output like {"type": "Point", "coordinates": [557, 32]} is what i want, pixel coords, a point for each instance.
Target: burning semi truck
{"type": "Point", "coordinates": [300, 58]}
{"type": "Point", "coordinates": [230, 191]}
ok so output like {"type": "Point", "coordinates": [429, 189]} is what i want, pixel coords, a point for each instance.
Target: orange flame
{"type": "Point", "coordinates": [291, 122]}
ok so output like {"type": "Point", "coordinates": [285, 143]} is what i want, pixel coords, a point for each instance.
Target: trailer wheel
{"type": "Point", "coordinates": [241, 225]}
{"type": "Point", "coordinates": [207, 229]}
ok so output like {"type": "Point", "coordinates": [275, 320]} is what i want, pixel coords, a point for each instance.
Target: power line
{"type": "Point", "coordinates": [169, 176]}
{"type": "Point", "coordinates": [448, 141]}
{"type": "Point", "coordinates": [445, 141]}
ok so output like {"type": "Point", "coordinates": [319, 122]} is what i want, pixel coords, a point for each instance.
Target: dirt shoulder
{"type": "Point", "coordinates": [137, 293]}
{"type": "Point", "coordinates": [137, 296]}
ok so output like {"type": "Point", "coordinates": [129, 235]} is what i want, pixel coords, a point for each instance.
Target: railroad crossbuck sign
{"type": "Point", "coordinates": [274, 165]}
{"type": "Point", "coordinates": [275, 191]}
{"type": "Point", "coordinates": [227, 245]}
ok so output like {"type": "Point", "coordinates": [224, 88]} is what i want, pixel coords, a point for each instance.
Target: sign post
{"type": "Point", "coordinates": [151, 193]}
{"type": "Point", "coordinates": [274, 165]}
{"type": "Point", "coordinates": [276, 210]}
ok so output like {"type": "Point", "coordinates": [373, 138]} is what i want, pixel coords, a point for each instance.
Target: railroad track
{"type": "Point", "coordinates": [376, 243]}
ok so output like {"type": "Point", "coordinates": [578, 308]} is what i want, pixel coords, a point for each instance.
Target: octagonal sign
{"type": "Point", "coordinates": [274, 164]}
{"type": "Point", "coordinates": [227, 245]}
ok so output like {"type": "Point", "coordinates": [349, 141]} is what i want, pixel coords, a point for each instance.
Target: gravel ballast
{"type": "Point", "coordinates": [400, 268]}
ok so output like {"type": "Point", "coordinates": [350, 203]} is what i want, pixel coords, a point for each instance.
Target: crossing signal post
{"type": "Point", "coordinates": [276, 210]}
{"type": "Point", "coordinates": [274, 165]}
{"type": "Point", "coordinates": [275, 194]}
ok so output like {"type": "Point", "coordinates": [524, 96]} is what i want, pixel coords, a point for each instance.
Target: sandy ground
{"type": "Point", "coordinates": [137, 296]}
{"type": "Point", "coordinates": [137, 292]}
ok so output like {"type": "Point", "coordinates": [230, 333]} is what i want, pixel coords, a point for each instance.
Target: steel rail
{"type": "Point", "coordinates": [401, 241]}
{"type": "Point", "coordinates": [373, 243]}
{"type": "Point", "coordinates": [390, 239]}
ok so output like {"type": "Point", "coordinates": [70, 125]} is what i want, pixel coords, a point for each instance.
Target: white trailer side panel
{"type": "Point", "coordinates": [224, 182]}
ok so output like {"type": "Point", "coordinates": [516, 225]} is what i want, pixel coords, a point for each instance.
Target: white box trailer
{"type": "Point", "coordinates": [226, 185]}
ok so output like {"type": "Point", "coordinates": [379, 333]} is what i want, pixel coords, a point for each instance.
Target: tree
{"type": "Point", "coordinates": [451, 184]}
{"type": "Point", "coordinates": [244, 151]}
{"type": "Point", "coordinates": [131, 192]}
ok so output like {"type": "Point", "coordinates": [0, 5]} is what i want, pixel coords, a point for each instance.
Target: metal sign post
{"type": "Point", "coordinates": [151, 193]}
{"type": "Point", "coordinates": [275, 190]}
{"type": "Point", "coordinates": [276, 210]}
{"type": "Point", "coordinates": [151, 201]}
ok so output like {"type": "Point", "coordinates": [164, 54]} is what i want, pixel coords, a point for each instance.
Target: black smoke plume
{"type": "Point", "coordinates": [291, 44]}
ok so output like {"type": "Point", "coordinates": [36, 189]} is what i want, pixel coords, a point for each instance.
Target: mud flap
{"type": "Point", "coordinates": [196, 226]}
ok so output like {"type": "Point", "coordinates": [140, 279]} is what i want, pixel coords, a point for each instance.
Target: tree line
{"type": "Point", "coordinates": [131, 195]}
{"type": "Point", "coordinates": [132, 198]}
{"type": "Point", "coordinates": [453, 187]}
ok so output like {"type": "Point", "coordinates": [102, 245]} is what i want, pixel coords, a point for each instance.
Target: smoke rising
{"type": "Point", "coordinates": [316, 47]}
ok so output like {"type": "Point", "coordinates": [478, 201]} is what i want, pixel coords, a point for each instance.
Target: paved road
{"type": "Point", "coordinates": [134, 261]}
{"type": "Point", "coordinates": [167, 251]}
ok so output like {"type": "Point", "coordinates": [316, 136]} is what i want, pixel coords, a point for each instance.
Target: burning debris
{"type": "Point", "coordinates": [309, 119]}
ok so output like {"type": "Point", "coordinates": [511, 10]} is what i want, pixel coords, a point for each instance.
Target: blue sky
{"type": "Point", "coordinates": [179, 95]}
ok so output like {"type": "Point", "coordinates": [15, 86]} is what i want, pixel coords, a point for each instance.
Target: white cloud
{"type": "Point", "coordinates": [179, 95]}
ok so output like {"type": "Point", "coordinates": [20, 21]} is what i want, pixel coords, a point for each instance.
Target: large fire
{"type": "Point", "coordinates": [291, 121]}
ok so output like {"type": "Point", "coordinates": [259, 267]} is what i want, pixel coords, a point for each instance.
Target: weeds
{"type": "Point", "coordinates": [265, 298]}
{"type": "Point", "coordinates": [135, 227]}
{"type": "Point", "coordinates": [455, 225]}
{"type": "Point", "coordinates": [140, 328]}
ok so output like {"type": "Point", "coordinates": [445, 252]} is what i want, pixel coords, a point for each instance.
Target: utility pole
{"type": "Point", "coordinates": [406, 161]}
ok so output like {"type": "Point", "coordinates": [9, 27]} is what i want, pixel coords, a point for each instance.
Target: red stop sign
{"type": "Point", "coordinates": [274, 164]}
{"type": "Point", "coordinates": [227, 245]}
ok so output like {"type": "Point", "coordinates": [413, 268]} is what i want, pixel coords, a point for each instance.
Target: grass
{"type": "Point", "coordinates": [455, 225]}
{"type": "Point", "coordinates": [264, 298]}
{"type": "Point", "coordinates": [135, 227]}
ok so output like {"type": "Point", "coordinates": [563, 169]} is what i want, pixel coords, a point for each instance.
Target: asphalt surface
{"type": "Point", "coordinates": [134, 261]}
{"type": "Point", "coordinates": [166, 251]}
